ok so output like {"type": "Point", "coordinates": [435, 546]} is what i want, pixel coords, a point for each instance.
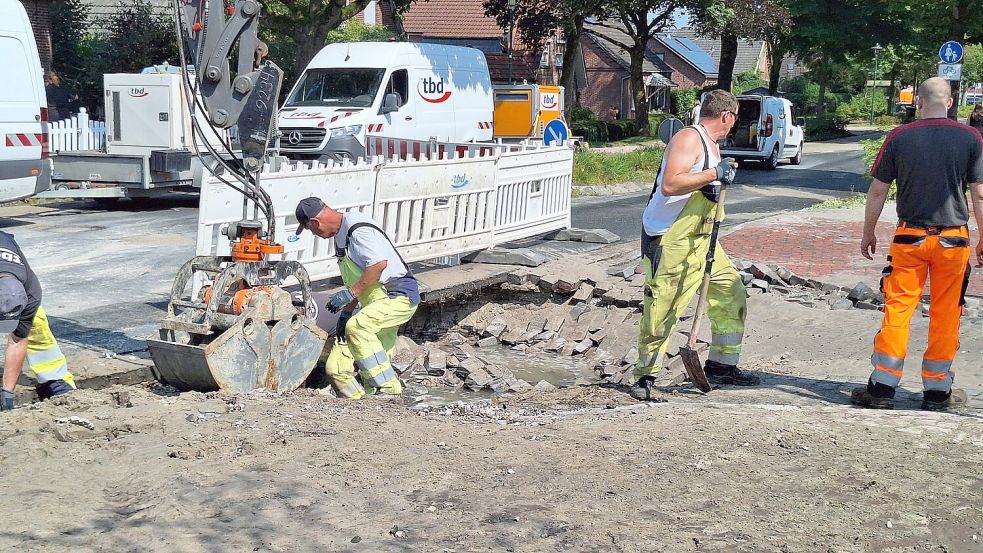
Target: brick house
{"type": "Point", "coordinates": [607, 68]}
{"type": "Point", "coordinates": [37, 12]}
{"type": "Point", "coordinates": [692, 66]}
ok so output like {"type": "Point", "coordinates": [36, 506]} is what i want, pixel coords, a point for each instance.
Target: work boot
{"type": "Point", "coordinates": [719, 373]}
{"type": "Point", "coordinates": [53, 388]}
{"type": "Point", "coordinates": [644, 390]}
{"type": "Point", "coordinates": [873, 396]}
{"type": "Point", "coordinates": [936, 400]}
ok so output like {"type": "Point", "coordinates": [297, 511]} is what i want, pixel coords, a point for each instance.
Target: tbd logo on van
{"type": "Point", "coordinates": [433, 90]}
{"type": "Point", "coordinates": [138, 92]}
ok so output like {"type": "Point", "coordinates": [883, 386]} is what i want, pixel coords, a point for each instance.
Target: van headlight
{"type": "Point", "coordinates": [351, 130]}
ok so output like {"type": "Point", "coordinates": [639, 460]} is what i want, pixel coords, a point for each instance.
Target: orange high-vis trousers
{"type": "Point", "coordinates": [941, 255]}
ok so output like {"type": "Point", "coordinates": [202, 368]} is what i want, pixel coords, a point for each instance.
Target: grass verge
{"type": "Point", "coordinates": [853, 200]}
{"type": "Point", "coordinates": [593, 168]}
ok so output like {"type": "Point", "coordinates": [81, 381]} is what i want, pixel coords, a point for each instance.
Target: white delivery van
{"type": "Point", "coordinates": [24, 164]}
{"type": "Point", "coordinates": [767, 129]}
{"type": "Point", "coordinates": [394, 89]}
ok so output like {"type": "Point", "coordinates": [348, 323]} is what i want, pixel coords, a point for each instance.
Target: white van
{"type": "Point", "coordinates": [394, 89]}
{"type": "Point", "coordinates": [767, 129]}
{"type": "Point", "coordinates": [25, 168]}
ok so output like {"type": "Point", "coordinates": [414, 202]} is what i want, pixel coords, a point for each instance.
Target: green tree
{"type": "Point", "coordinates": [69, 20]}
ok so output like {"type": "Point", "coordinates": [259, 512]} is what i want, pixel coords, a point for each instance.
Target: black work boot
{"type": "Point", "coordinates": [644, 390]}
{"type": "Point", "coordinates": [873, 396]}
{"type": "Point", "coordinates": [719, 373]}
{"type": "Point", "coordinates": [937, 400]}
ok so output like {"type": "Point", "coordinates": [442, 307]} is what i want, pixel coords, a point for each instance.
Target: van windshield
{"type": "Point", "coordinates": [354, 88]}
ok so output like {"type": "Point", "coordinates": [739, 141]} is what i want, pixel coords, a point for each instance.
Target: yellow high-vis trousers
{"type": "Point", "coordinates": [43, 354]}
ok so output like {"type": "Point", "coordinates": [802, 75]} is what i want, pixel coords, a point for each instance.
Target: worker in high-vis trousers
{"type": "Point", "coordinates": [26, 326]}
{"type": "Point", "coordinates": [934, 160]}
{"type": "Point", "coordinates": [675, 239]}
{"type": "Point", "coordinates": [377, 282]}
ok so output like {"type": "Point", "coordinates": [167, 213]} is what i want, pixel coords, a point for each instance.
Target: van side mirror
{"type": "Point", "coordinates": [800, 121]}
{"type": "Point", "coordinates": [390, 103]}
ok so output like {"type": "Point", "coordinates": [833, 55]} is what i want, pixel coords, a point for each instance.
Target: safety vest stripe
{"type": "Point", "coordinates": [372, 361]}
{"type": "Point", "coordinates": [59, 372]}
{"type": "Point", "coordinates": [730, 339]}
{"type": "Point", "coordinates": [379, 379]}
{"type": "Point", "coordinates": [40, 357]}
{"type": "Point", "coordinates": [886, 361]}
{"type": "Point", "coordinates": [936, 367]}
{"type": "Point", "coordinates": [724, 358]}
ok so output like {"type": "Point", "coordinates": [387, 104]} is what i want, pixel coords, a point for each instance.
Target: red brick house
{"type": "Point", "coordinates": [37, 12]}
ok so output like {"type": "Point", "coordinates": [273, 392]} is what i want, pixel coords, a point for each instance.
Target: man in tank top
{"type": "Point", "coordinates": [675, 239]}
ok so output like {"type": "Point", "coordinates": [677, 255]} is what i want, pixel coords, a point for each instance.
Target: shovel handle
{"type": "Point", "coordinates": [701, 304]}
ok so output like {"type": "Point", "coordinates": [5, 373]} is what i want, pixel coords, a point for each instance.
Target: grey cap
{"type": "Point", "coordinates": [307, 209]}
{"type": "Point", "coordinates": [13, 299]}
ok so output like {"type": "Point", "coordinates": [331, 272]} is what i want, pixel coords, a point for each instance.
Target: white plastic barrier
{"type": "Point", "coordinates": [76, 133]}
{"type": "Point", "coordinates": [431, 208]}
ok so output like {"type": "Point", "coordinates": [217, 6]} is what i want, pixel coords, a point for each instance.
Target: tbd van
{"type": "Point", "coordinates": [25, 168]}
{"type": "Point", "coordinates": [767, 129]}
{"type": "Point", "coordinates": [395, 89]}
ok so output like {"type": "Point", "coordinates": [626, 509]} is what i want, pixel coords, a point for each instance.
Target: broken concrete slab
{"type": "Point", "coordinates": [543, 386]}
{"type": "Point", "coordinates": [841, 304]}
{"type": "Point", "coordinates": [581, 347]}
{"type": "Point", "coordinates": [553, 324]}
{"type": "Point", "coordinates": [494, 329]}
{"type": "Point", "coordinates": [590, 236]}
{"type": "Point", "coordinates": [583, 294]}
{"type": "Point", "coordinates": [861, 292]}
{"type": "Point", "coordinates": [761, 284]}
{"type": "Point", "coordinates": [436, 362]}
{"type": "Point", "coordinates": [488, 342]}
{"type": "Point", "coordinates": [536, 325]}
{"type": "Point", "coordinates": [868, 306]}
{"type": "Point", "coordinates": [764, 272]}
{"type": "Point", "coordinates": [512, 337]}
{"type": "Point", "coordinates": [520, 386]}
{"type": "Point", "coordinates": [523, 257]}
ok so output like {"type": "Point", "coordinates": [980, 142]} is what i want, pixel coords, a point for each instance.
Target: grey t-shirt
{"type": "Point", "coordinates": [12, 261]}
{"type": "Point", "coordinates": [367, 246]}
{"type": "Point", "coordinates": [933, 160]}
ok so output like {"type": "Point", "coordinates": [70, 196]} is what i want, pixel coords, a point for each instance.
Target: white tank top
{"type": "Point", "coordinates": [662, 211]}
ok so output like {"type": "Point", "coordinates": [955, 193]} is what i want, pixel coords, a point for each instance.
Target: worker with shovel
{"type": "Point", "coordinates": [26, 326]}
{"type": "Point", "coordinates": [379, 282]}
{"type": "Point", "coordinates": [679, 254]}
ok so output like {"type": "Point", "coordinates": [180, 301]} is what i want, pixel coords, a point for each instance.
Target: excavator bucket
{"type": "Point", "coordinates": [271, 344]}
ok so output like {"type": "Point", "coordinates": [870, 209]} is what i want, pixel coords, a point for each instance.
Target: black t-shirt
{"type": "Point", "coordinates": [933, 160]}
{"type": "Point", "coordinates": [12, 261]}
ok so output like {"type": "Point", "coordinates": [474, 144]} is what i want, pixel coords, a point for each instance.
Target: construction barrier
{"type": "Point", "coordinates": [442, 204]}
{"type": "Point", "coordinates": [76, 133]}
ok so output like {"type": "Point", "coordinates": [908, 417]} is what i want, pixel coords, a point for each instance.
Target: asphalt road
{"type": "Point", "coordinates": [107, 273]}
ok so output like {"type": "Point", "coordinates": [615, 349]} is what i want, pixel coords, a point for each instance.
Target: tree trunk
{"type": "Point", "coordinates": [728, 56]}
{"type": "Point", "coordinates": [776, 54]}
{"type": "Point", "coordinates": [639, 97]}
{"type": "Point", "coordinates": [571, 57]}
{"type": "Point", "coordinates": [821, 107]}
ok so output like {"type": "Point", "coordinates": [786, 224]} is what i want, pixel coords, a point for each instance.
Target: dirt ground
{"type": "Point", "coordinates": [785, 467]}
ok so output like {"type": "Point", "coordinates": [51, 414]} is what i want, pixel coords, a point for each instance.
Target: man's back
{"type": "Point", "coordinates": [933, 160]}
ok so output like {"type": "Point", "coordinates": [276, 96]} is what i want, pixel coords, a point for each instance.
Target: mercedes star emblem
{"type": "Point", "coordinates": [295, 137]}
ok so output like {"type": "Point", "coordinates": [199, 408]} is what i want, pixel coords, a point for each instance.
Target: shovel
{"type": "Point", "coordinates": [691, 359]}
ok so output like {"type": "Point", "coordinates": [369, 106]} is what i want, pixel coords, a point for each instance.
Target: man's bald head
{"type": "Point", "coordinates": [935, 93]}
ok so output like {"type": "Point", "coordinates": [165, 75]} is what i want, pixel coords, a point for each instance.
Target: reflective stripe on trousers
{"type": "Point", "coordinates": [916, 257]}
{"type": "Point", "coordinates": [43, 354]}
{"type": "Point", "coordinates": [726, 348]}
{"type": "Point", "coordinates": [375, 370]}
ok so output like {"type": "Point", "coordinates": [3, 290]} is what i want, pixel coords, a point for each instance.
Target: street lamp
{"type": "Point", "coordinates": [873, 88]}
{"type": "Point", "coordinates": [511, 31]}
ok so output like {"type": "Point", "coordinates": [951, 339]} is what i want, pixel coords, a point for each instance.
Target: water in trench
{"type": "Point", "coordinates": [531, 366]}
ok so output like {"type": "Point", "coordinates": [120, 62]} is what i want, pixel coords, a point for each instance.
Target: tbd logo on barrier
{"type": "Point", "coordinates": [460, 181]}
{"type": "Point", "coordinates": [433, 90]}
{"type": "Point", "coordinates": [139, 92]}
{"type": "Point", "coordinates": [548, 101]}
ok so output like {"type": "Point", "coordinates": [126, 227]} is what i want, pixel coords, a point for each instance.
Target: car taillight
{"type": "Point", "coordinates": [769, 125]}
{"type": "Point", "coordinates": [45, 153]}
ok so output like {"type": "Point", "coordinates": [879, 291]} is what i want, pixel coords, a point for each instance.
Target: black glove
{"type": "Point", "coordinates": [726, 170]}
{"type": "Point", "coordinates": [339, 300]}
{"type": "Point", "coordinates": [340, 330]}
{"type": "Point", "coordinates": [6, 400]}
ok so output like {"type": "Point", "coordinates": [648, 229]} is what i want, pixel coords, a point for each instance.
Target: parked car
{"type": "Point", "coordinates": [767, 129]}
{"type": "Point", "coordinates": [25, 168]}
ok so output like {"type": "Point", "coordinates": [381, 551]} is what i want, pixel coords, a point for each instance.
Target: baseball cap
{"type": "Point", "coordinates": [307, 209]}
{"type": "Point", "coordinates": [13, 298]}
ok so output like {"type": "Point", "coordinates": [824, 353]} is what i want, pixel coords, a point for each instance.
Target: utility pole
{"type": "Point", "coordinates": [511, 37]}
{"type": "Point", "coordinates": [873, 89]}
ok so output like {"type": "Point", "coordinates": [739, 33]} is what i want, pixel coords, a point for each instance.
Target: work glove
{"type": "Point", "coordinates": [6, 400]}
{"type": "Point", "coordinates": [340, 331]}
{"type": "Point", "coordinates": [726, 170]}
{"type": "Point", "coordinates": [339, 300]}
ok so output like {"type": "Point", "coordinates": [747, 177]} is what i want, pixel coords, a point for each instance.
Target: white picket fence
{"type": "Point", "coordinates": [438, 203]}
{"type": "Point", "coordinates": [76, 133]}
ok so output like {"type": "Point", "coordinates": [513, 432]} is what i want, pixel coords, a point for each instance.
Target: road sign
{"type": "Point", "coordinates": [555, 132]}
{"type": "Point", "coordinates": [669, 128]}
{"type": "Point", "coordinates": [951, 71]}
{"type": "Point", "coordinates": [951, 52]}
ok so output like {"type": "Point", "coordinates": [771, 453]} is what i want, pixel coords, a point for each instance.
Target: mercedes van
{"type": "Point", "coordinates": [403, 90]}
{"type": "Point", "coordinates": [25, 168]}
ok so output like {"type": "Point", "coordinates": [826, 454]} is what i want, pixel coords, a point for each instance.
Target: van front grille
{"type": "Point", "coordinates": [301, 138]}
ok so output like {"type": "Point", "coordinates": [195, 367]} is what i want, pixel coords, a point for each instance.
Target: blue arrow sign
{"type": "Point", "coordinates": [555, 132]}
{"type": "Point", "coordinates": [951, 52]}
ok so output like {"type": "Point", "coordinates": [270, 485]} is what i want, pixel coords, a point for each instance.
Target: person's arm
{"type": "Point", "coordinates": [976, 193]}
{"type": "Point", "coordinates": [370, 277]}
{"type": "Point", "coordinates": [876, 197]}
{"type": "Point", "coordinates": [14, 363]}
{"type": "Point", "coordinates": [682, 153]}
